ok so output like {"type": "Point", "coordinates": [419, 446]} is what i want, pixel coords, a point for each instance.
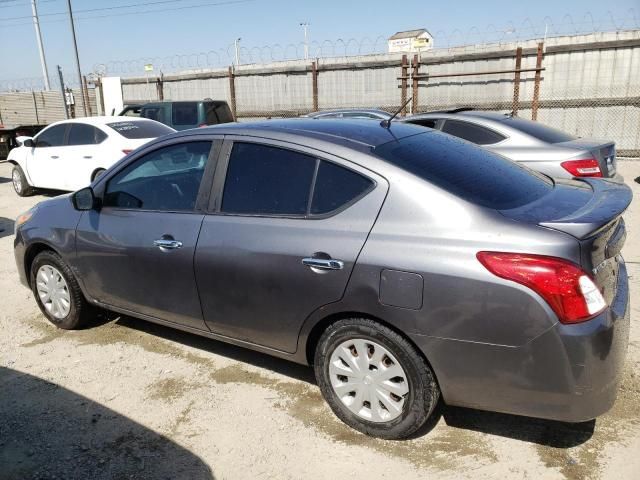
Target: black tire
{"type": "Point", "coordinates": [97, 173]}
{"type": "Point", "coordinates": [20, 183]}
{"type": "Point", "coordinates": [419, 402]}
{"type": "Point", "coordinates": [79, 310]}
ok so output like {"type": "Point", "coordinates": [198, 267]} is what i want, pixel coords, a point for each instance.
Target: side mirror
{"type": "Point", "coordinates": [25, 141]}
{"type": "Point", "coordinates": [84, 199]}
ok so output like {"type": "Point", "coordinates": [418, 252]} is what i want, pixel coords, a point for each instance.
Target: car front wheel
{"type": "Point", "coordinates": [57, 292]}
{"type": "Point", "coordinates": [374, 380]}
{"type": "Point", "coordinates": [20, 184]}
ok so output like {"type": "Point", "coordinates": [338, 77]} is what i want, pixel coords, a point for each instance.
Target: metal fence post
{"type": "Point", "coordinates": [314, 80]}
{"type": "Point", "coordinates": [85, 96]}
{"type": "Point", "coordinates": [516, 83]}
{"type": "Point", "coordinates": [35, 107]}
{"type": "Point", "coordinates": [160, 87]}
{"type": "Point", "coordinates": [536, 85]}
{"type": "Point", "coordinates": [414, 86]}
{"type": "Point", "coordinates": [232, 93]}
{"type": "Point", "coordinates": [403, 85]}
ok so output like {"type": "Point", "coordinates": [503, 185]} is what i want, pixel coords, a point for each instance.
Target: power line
{"type": "Point", "coordinates": [133, 5]}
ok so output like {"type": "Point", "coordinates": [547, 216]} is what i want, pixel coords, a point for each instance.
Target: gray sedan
{"type": "Point", "coordinates": [542, 148]}
{"type": "Point", "coordinates": [404, 264]}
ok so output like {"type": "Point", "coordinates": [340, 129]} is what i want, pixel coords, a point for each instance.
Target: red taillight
{"type": "Point", "coordinates": [567, 288]}
{"type": "Point", "coordinates": [127, 152]}
{"type": "Point", "coordinates": [588, 167]}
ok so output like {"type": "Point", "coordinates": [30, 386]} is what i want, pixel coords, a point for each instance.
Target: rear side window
{"type": "Point", "coordinates": [154, 113]}
{"type": "Point", "coordinates": [471, 132]}
{"type": "Point", "coordinates": [185, 113]}
{"type": "Point", "coordinates": [538, 130]}
{"type": "Point", "coordinates": [427, 122]}
{"type": "Point", "coordinates": [52, 137]}
{"type": "Point", "coordinates": [471, 173]}
{"type": "Point", "coordinates": [217, 112]}
{"type": "Point", "coordinates": [140, 129]}
{"type": "Point", "coordinates": [82, 134]}
{"type": "Point", "coordinates": [267, 180]}
{"type": "Point", "coordinates": [336, 187]}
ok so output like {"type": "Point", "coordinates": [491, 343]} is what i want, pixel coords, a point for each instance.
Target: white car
{"type": "Point", "coordinates": [69, 155]}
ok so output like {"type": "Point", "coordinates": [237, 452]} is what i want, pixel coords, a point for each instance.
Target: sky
{"type": "Point", "coordinates": [124, 30]}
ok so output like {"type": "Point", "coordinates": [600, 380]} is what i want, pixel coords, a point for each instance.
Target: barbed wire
{"type": "Point", "coordinates": [347, 47]}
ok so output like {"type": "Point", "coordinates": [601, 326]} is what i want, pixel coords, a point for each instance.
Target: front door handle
{"type": "Point", "coordinates": [88, 156]}
{"type": "Point", "coordinates": [54, 156]}
{"type": "Point", "coordinates": [323, 264]}
{"type": "Point", "coordinates": [164, 243]}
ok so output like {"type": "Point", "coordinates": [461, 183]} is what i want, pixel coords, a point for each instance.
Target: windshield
{"type": "Point", "coordinates": [136, 129]}
{"type": "Point", "coordinates": [467, 171]}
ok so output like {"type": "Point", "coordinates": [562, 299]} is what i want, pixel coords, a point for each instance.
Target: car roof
{"type": "Point", "coordinates": [355, 133]}
{"type": "Point", "coordinates": [102, 120]}
{"type": "Point", "coordinates": [374, 111]}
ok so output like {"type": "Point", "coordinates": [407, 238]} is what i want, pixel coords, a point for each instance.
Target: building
{"type": "Point", "coordinates": [410, 41]}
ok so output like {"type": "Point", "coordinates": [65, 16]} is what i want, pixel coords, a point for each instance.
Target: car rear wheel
{"type": "Point", "coordinates": [374, 380]}
{"type": "Point", "coordinates": [20, 184]}
{"type": "Point", "coordinates": [57, 292]}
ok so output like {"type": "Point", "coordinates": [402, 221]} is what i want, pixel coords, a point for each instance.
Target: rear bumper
{"type": "Point", "coordinates": [569, 373]}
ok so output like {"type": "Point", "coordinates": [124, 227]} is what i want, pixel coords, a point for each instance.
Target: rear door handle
{"type": "Point", "coordinates": [166, 244]}
{"type": "Point", "coordinates": [323, 264]}
{"type": "Point", "coordinates": [88, 156]}
{"type": "Point", "coordinates": [54, 156]}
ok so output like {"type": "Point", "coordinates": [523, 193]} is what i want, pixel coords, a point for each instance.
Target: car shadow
{"type": "Point", "coordinates": [47, 431]}
{"type": "Point", "coordinates": [6, 227]}
{"type": "Point", "coordinates": [4, 180]}
{"type": "Point", "coordinates": [531, 430]}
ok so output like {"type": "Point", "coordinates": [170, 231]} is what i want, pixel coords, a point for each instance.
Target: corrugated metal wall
{"type": "Point", "coordinates": [40, 108]}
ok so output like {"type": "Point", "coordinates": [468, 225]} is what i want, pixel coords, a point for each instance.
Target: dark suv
{"type": "Point", "coordinates": [404, 264]}
{"type": "Point", "coordinates": [184, 114]}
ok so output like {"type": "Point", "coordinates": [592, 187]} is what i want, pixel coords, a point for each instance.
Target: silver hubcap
{"type": "Point", "coordinates": [17, 181]}
{"type": "Point", "coordinates": [368, 380]}
{"type": "Point", "coordinates": [53, 291]}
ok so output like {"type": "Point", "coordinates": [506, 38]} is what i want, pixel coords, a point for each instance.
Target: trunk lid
{"type": "Point", "coordinates": [591, 211]}
{"type": "Point", "coordinates": [603, 152]}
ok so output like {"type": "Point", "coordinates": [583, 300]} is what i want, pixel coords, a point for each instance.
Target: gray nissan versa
{"type": "Point", "coordinates": [404, 264]}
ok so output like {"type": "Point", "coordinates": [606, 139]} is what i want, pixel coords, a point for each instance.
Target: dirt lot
{"type": "Point", "coordinates": [128, 399]}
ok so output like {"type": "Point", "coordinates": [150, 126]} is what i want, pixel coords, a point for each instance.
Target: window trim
{"type": "Point", "coordinates": [204, 190]}
{"type": "Point", "coordinates": [475, 124]}
{"type": "Point", "coordinates": [219, 182]}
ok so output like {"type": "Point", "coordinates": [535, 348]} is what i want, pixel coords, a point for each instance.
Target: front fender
{"type": "Point", "coordinates": [18, 156]}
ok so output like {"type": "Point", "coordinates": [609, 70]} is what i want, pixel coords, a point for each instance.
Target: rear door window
{"type": "Point", "coordinates": [137, 129]}
{"type": "Point", "coordinates": [154, 113]}
{"type": "Point", "coordinates": [472, 132]}
{"type": "Point", "coordinates": [217, 112]}
{"type": "Point", "coordinates": [266, 180]}
{"type": "Point", "coordinates": [471, 173]}
{"type": "Point", "coordinates": [52, 137]}
{"type": "Point", "coordinates": [184, 114]}
{"type": "Point", "coordinates": [82, 134]}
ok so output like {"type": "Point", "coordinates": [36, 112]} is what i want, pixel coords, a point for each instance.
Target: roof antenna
{"type": "Point", "coordinates": [387, 123]}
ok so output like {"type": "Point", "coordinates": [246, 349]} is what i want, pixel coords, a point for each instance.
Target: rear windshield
{"type": "Point", "coordinates": [141, 129]}
{"type": "Point", "coordinates": [467, 171]}
{"type": "Point", "coordinates": [539, 130]}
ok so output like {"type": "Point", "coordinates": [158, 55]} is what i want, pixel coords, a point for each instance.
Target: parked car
{"type": "Point", "coordinates": [188, 114]}
{"type": "Point", "coordinates": [542, 148]}
{"type": "Point", "coordinates": [68, 155]}
{"type": "Point", "coordinates": [352, 113]}
{"type": "Point", "coordinates": [404, 264]}
{"type": "Point", "coordinates": [131, 110]}
{"type": "Point", "coordinates": [9, 134]}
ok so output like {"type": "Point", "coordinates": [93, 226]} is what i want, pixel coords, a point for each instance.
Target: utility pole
{"type": "Point", "coordinates": [237, 44]}
{"type": "Point", "coordinates": [305, 25]}
{"type": "Point", "coordinates": [43, 61]}
{"type": "Point", "coordinates": [64, 97]}
{"type": "Point", "coordinates": [75, 48]}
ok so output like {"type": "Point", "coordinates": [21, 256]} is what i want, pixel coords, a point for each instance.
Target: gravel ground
{"type": "Point", "coordinates": [128, 399]}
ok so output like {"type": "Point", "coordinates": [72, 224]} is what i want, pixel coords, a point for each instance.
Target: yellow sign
{"type": "Point", "coordinates": [420, 43]}
{"type": "Point", "coordinates": [148, 67]}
